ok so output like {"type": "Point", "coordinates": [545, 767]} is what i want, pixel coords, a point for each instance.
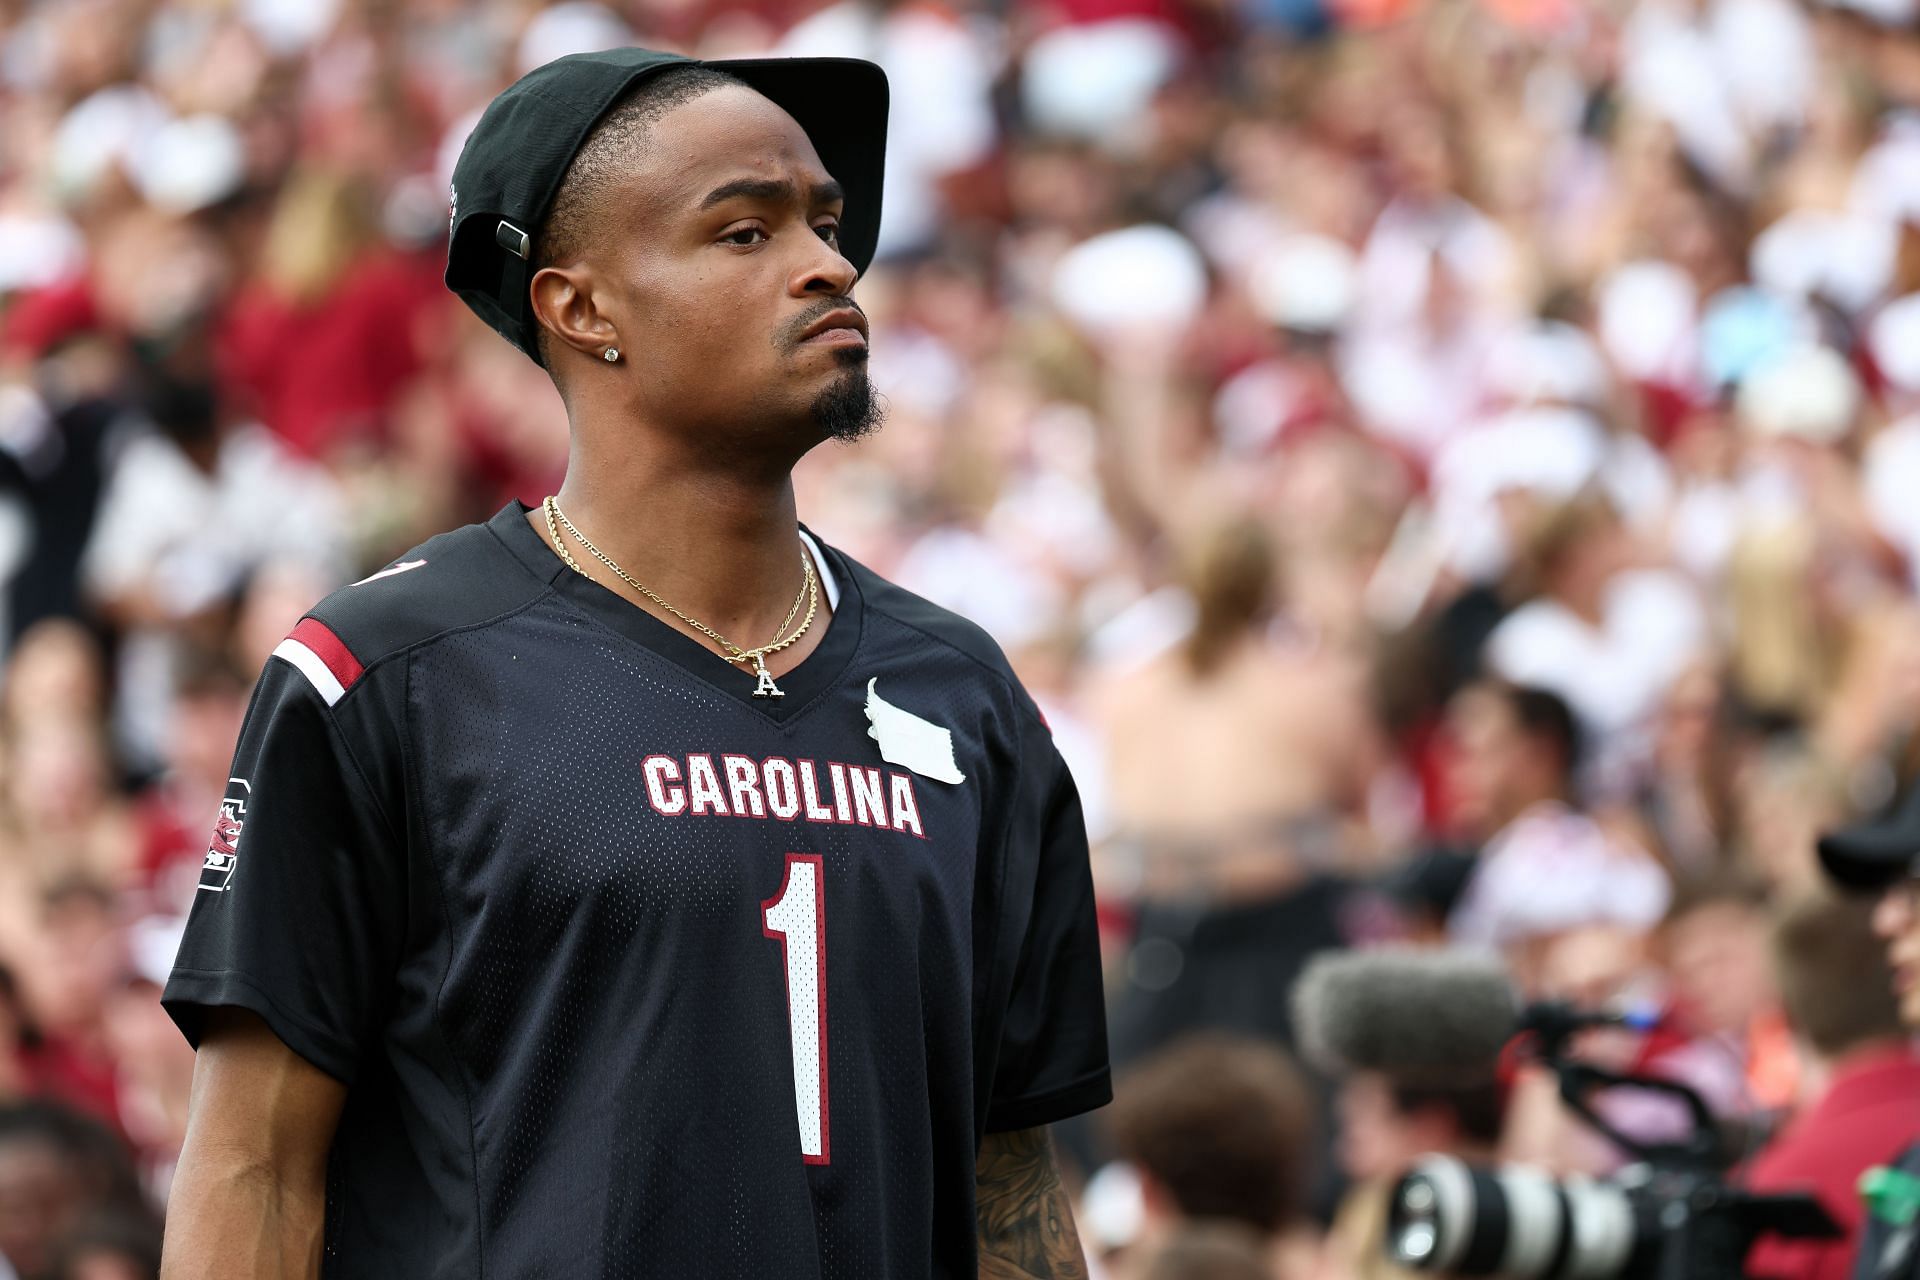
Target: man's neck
{"type": "Point", "coordinates": [719, 546]}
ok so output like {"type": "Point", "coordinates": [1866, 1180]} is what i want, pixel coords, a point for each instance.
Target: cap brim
{"type": "Point", "coordinates": [1866, 858]}
{"type": "Point", "coordinates": [1871, 855]}
{"type": "Point", "coordinates": [841, 103]}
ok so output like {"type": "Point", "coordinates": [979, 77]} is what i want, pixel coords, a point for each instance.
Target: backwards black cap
{"type": "Point", "coordinates": [513, 162]}
{"type": "Point", "coordinates": [1873, 854]}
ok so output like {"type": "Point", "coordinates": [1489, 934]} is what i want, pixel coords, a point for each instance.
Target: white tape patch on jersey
{"type": "Point", "coordinates": [909, 741]}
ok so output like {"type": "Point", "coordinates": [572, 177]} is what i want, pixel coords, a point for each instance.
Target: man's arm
{"type": "Point", "coordinates": [1025, 1221]}
{"type": "Point", "coordinates": [249, 1197]}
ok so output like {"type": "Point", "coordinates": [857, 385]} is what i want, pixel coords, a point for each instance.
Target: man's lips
{"type": "Point", "coordinates": [843, 328]}
{"type": "Point", "coordinates": [836, 338]}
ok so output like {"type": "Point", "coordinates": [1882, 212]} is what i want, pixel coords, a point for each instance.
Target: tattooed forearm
{"type": "Point", "coordinates": [1025, 1220]}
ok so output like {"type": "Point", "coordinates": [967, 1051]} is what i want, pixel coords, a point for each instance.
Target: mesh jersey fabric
{"type": "Point", "coordinates": [533, 874]}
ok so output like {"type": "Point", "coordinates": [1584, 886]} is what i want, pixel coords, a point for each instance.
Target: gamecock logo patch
{"type": "Point", "coordinates": [223, 847]}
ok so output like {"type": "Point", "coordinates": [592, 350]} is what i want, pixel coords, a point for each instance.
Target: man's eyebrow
{"type": "Point", "coordinates": [771, 191]}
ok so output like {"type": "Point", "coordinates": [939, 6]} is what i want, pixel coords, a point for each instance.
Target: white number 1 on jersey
{"type": "Point", "coordinates": [797, 917]}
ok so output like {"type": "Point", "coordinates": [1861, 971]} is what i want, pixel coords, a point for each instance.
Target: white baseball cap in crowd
{"type": "Point", "coordinates": [1810, 394]}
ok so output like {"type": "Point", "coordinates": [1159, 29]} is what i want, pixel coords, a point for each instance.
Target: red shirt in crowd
{"type": "Point", "coordinates": [1869, 1113]}
{"type": "Point", "coordinates": [323, 373]}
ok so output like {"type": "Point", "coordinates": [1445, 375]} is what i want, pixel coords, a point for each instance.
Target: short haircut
{"type": "Point", "coordinates": [1224, 1123]}
{"type": "Point", "coordinates": [1835, 985]}
{"type": "Point", "coordinates": [608, 153]}
{"type": "Point", "coordinates": [91, 1152]}
{"type": "Point", "coordinates": [131, 1238]}
{"type": "Point", "coordinates": [1542, 716]}
{"type": "Point", "coordinates": [1727, 886]}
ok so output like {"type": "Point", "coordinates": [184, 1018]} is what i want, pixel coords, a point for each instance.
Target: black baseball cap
{"type": "Point", "coordinates": [514, 159]}
{"type": "Point", "coordinates": [1871, 855]}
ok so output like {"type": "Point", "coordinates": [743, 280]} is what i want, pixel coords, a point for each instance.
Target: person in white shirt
{"type": "Point", "coordinates": [193, 508]}
{"type": "Point", "coordinates": [1608, 637]}
{"type": "Point", "coordinates": [1546, 867]}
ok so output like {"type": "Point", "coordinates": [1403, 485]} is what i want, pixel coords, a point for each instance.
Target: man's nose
{"type": "Point", "coordinates": [1893, 913]}
{"type": "Point", "coordinates": [825, 271]}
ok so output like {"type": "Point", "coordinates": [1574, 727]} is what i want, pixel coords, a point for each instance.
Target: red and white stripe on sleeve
{"type": "Point", "coordinates": [322, 658]}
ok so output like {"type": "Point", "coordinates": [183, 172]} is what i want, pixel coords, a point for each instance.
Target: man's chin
{"type": "Point", "coordinates": [848, 408]}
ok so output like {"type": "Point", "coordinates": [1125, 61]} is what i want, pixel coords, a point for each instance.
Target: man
{"type": "Point", "coordinates": [1882, 857]}
{"type": "Point", "coordinates": [544, 933]}
{"type": "Point", "coordinates": [195, 509]}
{"type": "Point", "coordinates": [1609, 636]}
{"type": "Point", "coordinates": [1233, 763]}
{"type": "Point", "coordinates": [1388, 1113]}
{"type": "Point", "coordinates": [1546, 867]}
{"type": "Point", "coordinates": [1219, 1128]}
{"type": "Point", "coordinates": [1865, 1099]}
{"type": "Point", "coordinates": [63, 1175]}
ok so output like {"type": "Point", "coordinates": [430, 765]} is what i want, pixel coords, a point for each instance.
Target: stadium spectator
{"type": "Point", "coordinates": [69, 957]}
{"type": "Point", "coordinates": [196, 505]}
{"type": "Point", "coordinates": [109, 1247]}
{"type": "Point", "coordinates": [1723, 991]}
{"type": "Point", "coordinates": [1859, 1106]}
{"type": "Point", "coordinates": [1606, 636]}
{"type": "Point", "coordinates": [59, 1173]}
{"type": "Point", "coordinates": [1235, 760]}
{"type": "Point", "coordinates": [1384, 1124]}
{"type": "Point", "coordinates": [1217, 1128]}
{"type": "Point", "coordinates": [1546, 867]}
{"type": "Point", "coordinates": [1702, 992]}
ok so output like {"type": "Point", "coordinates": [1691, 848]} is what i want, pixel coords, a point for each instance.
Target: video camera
{"type": "Point", "coordinates": [1446, 1020]}
{"type": "Point", "coordinates": [1671, 1215]}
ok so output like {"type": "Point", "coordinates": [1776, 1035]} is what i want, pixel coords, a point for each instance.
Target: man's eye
{"type": "Point", "coordinates": [829, 231]}
{"type": "Point", "coordinates": [740, 236]}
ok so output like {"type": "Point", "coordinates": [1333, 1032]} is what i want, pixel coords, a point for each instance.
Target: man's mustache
{"type": "Point", "coordinates": [793, 334]}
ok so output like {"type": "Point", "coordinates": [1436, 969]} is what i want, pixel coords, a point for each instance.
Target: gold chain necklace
{"type": "Point", "coordinates": [809, 591]}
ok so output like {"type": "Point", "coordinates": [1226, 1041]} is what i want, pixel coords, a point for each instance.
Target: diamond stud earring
{"type": "Point", "coordinates": [612, 355]}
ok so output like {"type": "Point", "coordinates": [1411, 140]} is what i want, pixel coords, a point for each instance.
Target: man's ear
{"type": "Point", "coordinates": [564, 303]}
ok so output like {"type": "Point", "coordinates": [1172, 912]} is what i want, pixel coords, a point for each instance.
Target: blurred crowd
{"type": "Point", "coordinates": [1438, 463]}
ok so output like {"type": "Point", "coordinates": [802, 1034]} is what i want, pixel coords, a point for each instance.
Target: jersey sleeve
{"type": "Point", "coordinates": [300, 914]}
{"type": "Point", "coordinates": [1052, 1051]}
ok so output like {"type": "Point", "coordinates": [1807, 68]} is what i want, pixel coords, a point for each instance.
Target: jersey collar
{"type": "Point", "coordinates": [802, 685]}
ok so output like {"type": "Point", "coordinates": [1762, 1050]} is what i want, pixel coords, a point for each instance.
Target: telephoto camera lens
{"type": "Point", "coordinates": [1456, 1218]}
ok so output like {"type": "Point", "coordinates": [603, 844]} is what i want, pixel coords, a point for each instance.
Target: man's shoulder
{"type": "Point", "coordinates": [452, 581]}
{"type": "Point", "coordinates": [960, 637]}
{"type": "Point", "coordinates": [1840, 1134]}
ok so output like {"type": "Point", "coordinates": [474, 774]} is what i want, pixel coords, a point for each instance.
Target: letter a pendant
{"type": "Point", "coordinates": [766, 688]}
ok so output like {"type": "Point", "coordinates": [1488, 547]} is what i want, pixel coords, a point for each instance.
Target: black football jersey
{"type": "Point", "coordinates": [631, 973]}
